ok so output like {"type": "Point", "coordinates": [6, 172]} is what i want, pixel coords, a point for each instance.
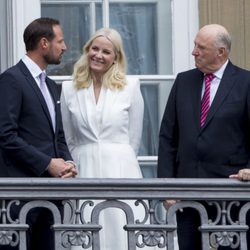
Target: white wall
{"type": "Point", "coordinates": [185, 26]}
{"type": "Point", "coordinates": [15, 16]}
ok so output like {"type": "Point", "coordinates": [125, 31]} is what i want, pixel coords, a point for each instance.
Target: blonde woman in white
{"type": "Point", "coordinates": [102, 117]}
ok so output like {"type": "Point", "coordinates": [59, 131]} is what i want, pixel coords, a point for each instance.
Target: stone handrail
{"type": "Point", "coordinates": [157, 227]}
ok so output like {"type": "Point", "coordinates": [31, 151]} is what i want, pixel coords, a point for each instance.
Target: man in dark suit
{"type": "Point", "coordinates": [32, 140]}
{"type": "Point", "coordinates": [206, 125]}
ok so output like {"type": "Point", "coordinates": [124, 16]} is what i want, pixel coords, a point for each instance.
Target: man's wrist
{"type": "Point", "coordinates": [72, 162]}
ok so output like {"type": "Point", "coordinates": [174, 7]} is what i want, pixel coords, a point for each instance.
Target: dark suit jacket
{"type": "Point", "coordinates": [222, 146]}
{"type": "Point", "coordinates": [27, 139]}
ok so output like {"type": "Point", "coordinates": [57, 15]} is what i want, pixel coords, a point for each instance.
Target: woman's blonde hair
{"type": "Point", "coordinates": [114, 78]}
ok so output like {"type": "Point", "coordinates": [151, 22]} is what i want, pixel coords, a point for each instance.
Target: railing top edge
{"type": "Point", "coordinates": [78, 188]}
{"type": "Point", "coordinates": [154, 182]}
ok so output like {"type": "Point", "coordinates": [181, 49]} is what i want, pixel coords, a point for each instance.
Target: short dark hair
{"type": "Point", "coordinates": [41, 27]}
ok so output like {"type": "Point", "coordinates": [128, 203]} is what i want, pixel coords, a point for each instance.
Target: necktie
{"type": "Point", "coordinates": [205, 102]}
{"type": "Point", "coordinates": [47, 97]}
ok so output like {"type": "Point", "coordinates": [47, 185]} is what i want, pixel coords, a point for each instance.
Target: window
{"type": "Point", "coordinates": [136, 21]}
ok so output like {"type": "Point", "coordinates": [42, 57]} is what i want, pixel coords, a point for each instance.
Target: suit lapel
{"type": "Point", "coordinates": [87, 107]}
{"type": "Point", "coordinates": [31, 81]}
{"type": "Point", "coordinates": [109, 104]}
{"type": "Point", "coordinates": [196, 97]}
{"type": "Point", "coordinates": [56, 101]}
{"type": "Point", "coordinates": [227, 82]}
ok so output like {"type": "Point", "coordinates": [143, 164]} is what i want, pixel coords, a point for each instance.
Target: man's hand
{"type": "Point", "coordinates": [59, 168]}
{"type": "Point", "coordinates": [72, 171]}
{"type": "Point", "coordinates": [243, 174]}
{"type": "Point", "coordinates": [168, 203]}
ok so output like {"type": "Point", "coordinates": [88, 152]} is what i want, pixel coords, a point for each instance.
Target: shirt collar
{"type": "Point", "coordinates": [32, 66]}
{"type": "Point", "coordinates": [219, 73]}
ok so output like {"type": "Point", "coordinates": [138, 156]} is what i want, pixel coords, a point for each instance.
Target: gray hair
{"type": "Point", "coordinates": [223, 39]}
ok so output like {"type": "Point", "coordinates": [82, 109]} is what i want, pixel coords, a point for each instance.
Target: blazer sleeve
{"type": "Point", "coordinates": [136, 112]}
{"type": "Point", "coordinates": [168, 138]}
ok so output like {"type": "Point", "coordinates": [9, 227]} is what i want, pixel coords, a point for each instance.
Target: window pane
{"type": "Point", "coordinates": [149, 171]}
{"type": "Point", "coordinates": [144, 27]}
{"type": "Point", "coordinates": [149, 141]}
{"type": "Point", "coordinates": [137, 24]}
{"type": "Point", "coordinates": [155, 96]}
{"type": "Point", "coordinates": [75, 21]}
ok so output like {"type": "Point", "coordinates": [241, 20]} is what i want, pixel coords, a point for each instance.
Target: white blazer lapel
{"type": "Point", "coordinates": [109, 104]}
{"type": "Point", "coordinates": [87, 109]}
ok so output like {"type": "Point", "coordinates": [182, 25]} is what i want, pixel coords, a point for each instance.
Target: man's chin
{"type": "Point", "coordinates": [197, 65]}
{"type": "Point", "coordinates": [55, 62]}
{"type": "Point", "coordinates": [51, 60]}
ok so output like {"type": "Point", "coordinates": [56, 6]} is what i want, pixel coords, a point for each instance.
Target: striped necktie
{"type": "Point", "coordinates": [205, 102]}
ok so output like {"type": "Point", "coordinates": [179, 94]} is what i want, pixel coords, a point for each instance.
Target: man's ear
{"type": "Point", "coordinates": [222, 51]}
{"type": "Point", "coordinates": [44, 43]}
